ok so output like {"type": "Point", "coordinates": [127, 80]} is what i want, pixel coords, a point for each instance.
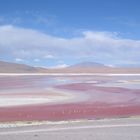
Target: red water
{"type": "Point", "coordinates": [102, 102]}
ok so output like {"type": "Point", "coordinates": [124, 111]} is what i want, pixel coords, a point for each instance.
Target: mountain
{"type": "Point", "coordinates": [87, 65]}
{"type": "Point", "coordinates": [7, 67]}
{"type": "Point", "coordinates": [84, 67]}
{"type": "Point", "coordinates": [93, 67]}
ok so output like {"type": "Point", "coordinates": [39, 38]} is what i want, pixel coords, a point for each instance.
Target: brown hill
{"type": "Point", "coordinates": [7, 67]}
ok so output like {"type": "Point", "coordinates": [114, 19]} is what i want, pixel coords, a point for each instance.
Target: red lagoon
{"type": "Point", "coordinates": [55, 98]}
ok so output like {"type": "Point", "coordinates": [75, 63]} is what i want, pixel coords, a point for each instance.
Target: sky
{"type": "Point", "coordinates": [58, 33]}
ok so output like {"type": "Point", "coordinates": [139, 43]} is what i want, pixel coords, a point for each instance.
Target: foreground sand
{"type": "Point", "coordinates": [106, 129]}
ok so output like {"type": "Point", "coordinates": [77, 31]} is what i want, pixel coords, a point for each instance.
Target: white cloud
{"type": "Point", "coordinates": [19, 60]}
{"type": "Point", "coordinates": [102, 46]}
{"type": "Point", "coordinates": [59, 66]}
{"type": "Point", "coordinates": [36, 60]}
{"type": "Point", "coordinates": [49, 56]}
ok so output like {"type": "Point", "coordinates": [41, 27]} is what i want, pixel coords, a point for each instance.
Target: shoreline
{"type": "Point", "coordinates": [70, 74]}
{"type": "Point", "coordinates": [14, 124]}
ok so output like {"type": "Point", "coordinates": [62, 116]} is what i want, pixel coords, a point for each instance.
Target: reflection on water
{"type": "Point", "coordinates": [31, 82]}
{"type": "Point", "coordinates": [44, 82]}
{"type": "Point", "coordinates": [126, 82]}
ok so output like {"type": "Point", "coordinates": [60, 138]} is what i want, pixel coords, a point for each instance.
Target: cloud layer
{"type": "Point", "coordinates": [106, 47]}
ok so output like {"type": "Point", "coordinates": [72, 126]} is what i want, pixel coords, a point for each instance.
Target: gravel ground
{"type": "Point", "coordinates": [113, 129]}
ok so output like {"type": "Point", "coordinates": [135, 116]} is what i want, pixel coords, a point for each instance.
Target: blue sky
{"type": "Point", "coordinates": [63, 32]}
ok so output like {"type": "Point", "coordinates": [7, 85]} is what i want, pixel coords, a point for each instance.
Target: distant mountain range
{"type": "Point", "coordinates": [84, 67]}
{"type": "Point", "coordinates": [87, 65]}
